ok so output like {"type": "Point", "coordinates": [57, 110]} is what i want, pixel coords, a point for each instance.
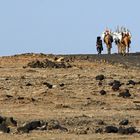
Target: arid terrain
{"type": "Point", "coordinates": [78, 97]}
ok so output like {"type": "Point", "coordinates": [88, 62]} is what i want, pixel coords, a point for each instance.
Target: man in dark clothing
{"type": "Point", "coordinates": [99, 45]}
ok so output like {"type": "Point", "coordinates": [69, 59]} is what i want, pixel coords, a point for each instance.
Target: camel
{"type": "Point", "coordinates": [122, 40]}
{"type": "Point", "coordinates": [126, 41]}
{"type": "Point", "coordinates": [117, 37]}
{"type": "Point", "coordinates": [108, 39]}
{"type": "Point", "coordinates": [121, 48]}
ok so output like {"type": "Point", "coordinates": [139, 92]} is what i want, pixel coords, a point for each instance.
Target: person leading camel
{"type": "Point", "coordinates": [99, 45]}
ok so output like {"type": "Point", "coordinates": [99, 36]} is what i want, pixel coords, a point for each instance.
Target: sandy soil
{"type": "Point", "coordinates": [74, 100]}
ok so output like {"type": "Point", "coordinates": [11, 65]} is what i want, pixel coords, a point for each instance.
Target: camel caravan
{"type": "Point", "coordinates": [121, 37]}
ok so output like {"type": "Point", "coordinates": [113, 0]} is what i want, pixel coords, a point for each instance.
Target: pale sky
{"type": "Point", "coordinates": [63, 26]}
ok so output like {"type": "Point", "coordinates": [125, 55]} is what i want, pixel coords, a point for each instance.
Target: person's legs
{"type": "Point", "coordinates": [99, 50]}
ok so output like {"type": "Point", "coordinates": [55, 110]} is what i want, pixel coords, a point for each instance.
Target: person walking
{"type": "Point", "coordinates": [99, 45]}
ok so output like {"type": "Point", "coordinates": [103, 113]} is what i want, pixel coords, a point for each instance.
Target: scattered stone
{"type": "Point", "coordinates": [115, 87]}
{"type": "Point", "coordinates": [126, 131]}
{"type": "Point", "coordinates": [125, 94]}
{"type": "Point", "coordinates": [33, 100]}
{"type": "Point", "coordinates": [103, 92]}
{"type": "Point", "coordinates": [62, 85]}
{"type": "Point", "coordinates": [36, 64]}
{"type": "Point", "coordinates": [124, 122]}
{"type": "Point", "coordinates": [98, 130]}
{"type": "Point", "coordinates": [6, 79]}
{"type": "Point", "coordinates": [48, 64]}
{"type": "Point", "coordinates": [4, 128]}
{"type": "Point", "coordinates": [22, 77]}
{"type": "Point", "coordinates": [54, 124]}
{"type": "Point", "coordinates": [100, 83]}
{"type": "Point", "coordinates": [20, 98]}
{"type": "Point", "coordinates": [23, 129]}
{"type": "Point", "coordinates": [28, 84]}
{"type": "Point", "coordinates": [131, 82]}
{"type": "Point", "coordinates": [50, 86]}
{"type": "Point", "coordinates": [64, 129]}
{"type": "Point", "coordinates": [9, 121]}
{"type": "Point", "coordinates": [110, 84]}
{"type": "Point", "coordinates": [27, 127]}
{"type": "Point", "coordinates": [9, 96]}
{"type": "Point", "coordinates": [115, 82]}
{"type": "Point", "coordinates": [42, 128]}
{"type": "Point", "coordinates": [1, 119]}
{"type": "Point", "coordinates": [131, 130]}
{"type": "Point", "coordinates": [6, 122]}
{"type": "Point", "coordinates": [81, 131]}
{"type": "Point", "coordinates": [100, 77]}
{"type": "Point", "coordinates": [38, 125]}
{"type": "Point", "coordinates": [111, 129]}
{"type": "Point", "coordinates": [100, 122]}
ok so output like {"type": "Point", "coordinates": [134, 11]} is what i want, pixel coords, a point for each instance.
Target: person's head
{"type": "Point", "coordinates": [98, 38]}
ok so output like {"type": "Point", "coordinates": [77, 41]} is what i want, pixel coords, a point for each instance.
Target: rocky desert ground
{"type": "Point", "coordinates": [70, 97]}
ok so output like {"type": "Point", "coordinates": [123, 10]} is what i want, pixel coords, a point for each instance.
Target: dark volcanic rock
{"type": "Point", "coordinates": [115, 87]}
{"type": "Point", "coordinates": [131, 130]}
{"type": "Point", "coordinates": [9, 121]}
{"type": "Point", "coordinates": [48, 85]}
{"type": "Point", "coordinates": [54, 124]}
{"type": "Point", "coordinates": [28, 84]}
{"type": "Point", "coordinates": [131, 82]}
{"type": "Point", "coordinates": [111, 129]}
{"type": "Point", "coordinates": [100, 77]}
{"type": "Point", "coordinates": [100, 83]}
{"type": "Point", "coordinates": [48, 64]}
{"type": "Point", "coordinates": [20, 98]}
{"type": "Point", "coordinates": [115, 82]}
{"type": "Point", "coordinates": [4, 128]}
{"type": "Point", "coordinates": [9, 96]}
{"type": "Point", "coordinates": [103, 92]}
{"type": "Point", "coordinates": [23, 129]}
{"type": "Point", "coordinates": [126, 131]}
{"type": "Point", "coordinates": [98, 130]}
{"type": "Point", "coordinates": [41, 125]}
{"type": "Point", "coordinates": [124, 122]}
{"type": "Point", "coordinates": [29, 126]}
{"type": "Point", "coordinates": [62, 85]}
{"type": "Point", "coordinates": [36, 64]}
{"type": "Point", "coordinates": [125, 93]}
{"type": "Point", "coordinates": [1, 119]}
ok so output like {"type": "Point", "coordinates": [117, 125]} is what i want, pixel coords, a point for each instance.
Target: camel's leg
{"type": "Point", "coordinates": [119, 49]}
{"type": "Point", "coordinates": [127, 49]}
{"type": "Point", "coordinates": [109, 50]}
{"type": "Point", "coordinates": [124, 50]}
